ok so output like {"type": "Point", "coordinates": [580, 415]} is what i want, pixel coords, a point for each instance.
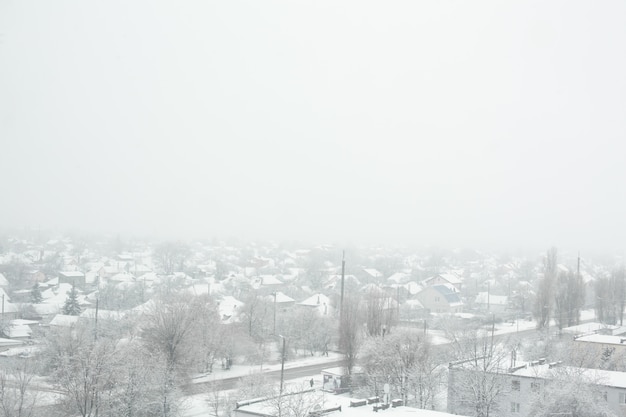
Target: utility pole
{"type": "Point", "coordinates": [398, 301]}
{"type": "Point", "coordinates": [343, 277]}
{"type": "Point", "coordinates": [274, 294]}
{"type": "Point", "coordinates": [95, 332]}
{"type": "Point", "coordinates": [282, 365]}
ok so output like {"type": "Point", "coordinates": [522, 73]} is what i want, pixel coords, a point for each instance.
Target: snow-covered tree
{"type": "Point", "coordinates": [35, 294]}
{"type": "Point", "coordinates": [545, 291]}
{"type": "Point", "coordinates": [476, 379]}
{"type": "Point", "coordinates": [572, 393]}
{"type": "Point", "coordinates": [17, 398]}
{"type": "Point", "coordinates": [71, 306]}
{"type": "Point", "coordinates": [350, 333]}
{"type": "Point", "coordinates": [404, 359]}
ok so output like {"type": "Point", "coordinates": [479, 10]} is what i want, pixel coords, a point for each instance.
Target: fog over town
{"type": "Point", "coordinates": [449, 123]}
{"type": "Point", "coordinates": [357, 192]}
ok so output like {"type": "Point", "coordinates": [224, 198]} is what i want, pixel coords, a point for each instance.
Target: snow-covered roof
{"type": "Point", "coordinates": [399, 277]}
{"type": "Point", "coordinates": [72, 274]}
{"type": "Point", "coordinates": [589, 328]}
{"type": "Point", "coordinates": [605, 339]}
{"type": "Point", "coordinates": [122, 277]}
{"type": "Point", "coordinates": [90, 313]}
{"type": "Point", "coordinates": [17, 331]}
{"type": "Point", "coordinates": [374, 273]}
{"type": "Point", "coordinates": [486, 298]}
{"type": "Point", "coordinates": [3, 280]}
{"type": "Point", "coordinates": [23, 322]}
{"type": "Point", "coordinates": [46, 309]}
{"type": "Point", "coordinates": [594, 376]}
{"type": "Point", "coordinates": [452, 278]}
{"type": "Point", "coordinates": [315, 300]}
{"type": "Point", "coordinates": [269, 280]}
{"type": "Point", "coordinates": [281, 298]}
{"type": "Point", "coordinates": [63, 320]}
{"type": "Point", "coordinates": [9, 342]}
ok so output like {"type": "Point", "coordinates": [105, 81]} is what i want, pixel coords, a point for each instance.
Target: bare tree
{"type": "Point", "coordinates": [17, 398]}
{"type": "Point", "coordinates": [610, 297]}
{"type": "Point", "coordinates": [171, 256]}
{"type": "Point", "coordinates": [569, 392]}
{"type": "Point", "coordinates": [297, 403]}
{"type": "Point", "coordinates": [85, 375]}
{"type": "Point", "coordinates": [307, 330]}
{"type": "Point", "coordinates": [375, 303]}
{"type": "Point", "coordinates": [257, 314]}
{"type": "Point", "coordinates": [476, 378]}
{"type": "Point", "coordinates": [545, 291]}
{"type": "Point", "coordinates": [569, 298]}
{"type": "Point", "coordinates": [168, 324]}
{"type": "Point", "coordinates": [350, 333]}
{"type": "Point", "coordinates": [403, 359]}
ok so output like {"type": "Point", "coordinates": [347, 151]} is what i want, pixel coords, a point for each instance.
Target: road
{"type": "Point", "coordinates": [231, 383]}
{"type": "Point", "coordinates": [307, 370]}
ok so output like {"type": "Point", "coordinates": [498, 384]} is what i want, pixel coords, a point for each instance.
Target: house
{"type": "Point", "coordinates": [267, 283]}
{"type": "Point", "coordinates": [440, 298]}
{"type": "Point", "coordinates": [334, 282]}
{"type": "Point", "coordinates": [76, 278]}
{"type": "Point", "coordinates": [9, 311]}
{"type": "Point", "coordinates": [399, 278]}
{"type": "Point", "coordinates": [601, 344]}
{"type": "Point", "coordinates": [281, 300]}
{"type": "Point", "coordinates": [62, 320]}
{"type": "Point", "coordinates": [20, 329]}
{"type": "Point", "coordinates": [319, 302]}
{"type": "Point", "coordinates": [372, 273]}
{"type": "Point", "coordinates": [491, 302]}
{"type": "Point", "coordinates": [446, 278]}
{"type": "Point", "coordinates": [527, 380]}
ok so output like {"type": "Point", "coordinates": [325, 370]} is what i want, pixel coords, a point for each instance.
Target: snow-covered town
{"type": "Point", "coordinates": [107, 326]}
{"type": "Point", "coordinates": [312, 208]}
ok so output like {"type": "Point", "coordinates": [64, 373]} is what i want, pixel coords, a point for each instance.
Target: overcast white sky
{"type": "Point", "coordinates": [428, 122]}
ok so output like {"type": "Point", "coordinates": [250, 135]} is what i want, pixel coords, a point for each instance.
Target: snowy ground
{"type": "Point", "coordinates": [244, 370]}
{"type": "Point", "coordinates": [197, 405]}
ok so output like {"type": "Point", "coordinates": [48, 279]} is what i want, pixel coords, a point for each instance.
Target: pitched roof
{"type": "Point", "coordinates": [450, 294]}
{"type": "Point", "coordinates": [486, 298]}
{"type": "Point", "coordinates": [315, 300]}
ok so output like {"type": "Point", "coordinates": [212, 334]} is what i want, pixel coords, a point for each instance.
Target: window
{"type": "Point", "coordinates": [514, 407]}
{"type": "Point", "coordinates": [515, 385]}
{"type": "Point", "coordinates": [622, 397]}
{"type": "Point", "coordinates": [535, 386]}
{"type": "Point", "coordinates": [436, 299]}
{"type": "Point", "coordinates": [605, 396]}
